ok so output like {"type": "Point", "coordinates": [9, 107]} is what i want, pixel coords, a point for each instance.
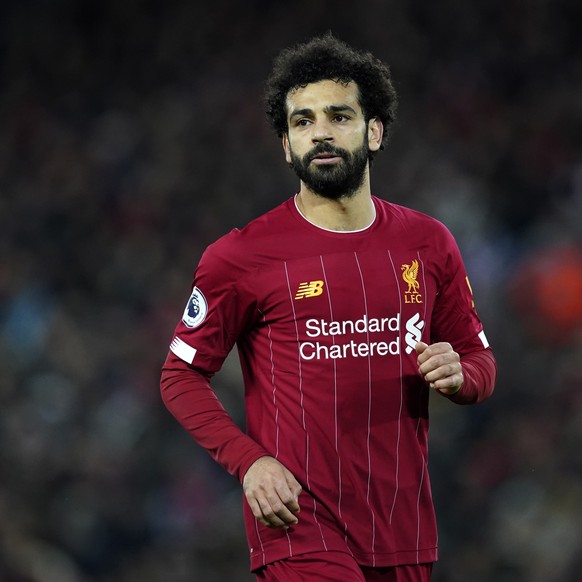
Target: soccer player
{"type": "Point", "coordinates": [347, 311]}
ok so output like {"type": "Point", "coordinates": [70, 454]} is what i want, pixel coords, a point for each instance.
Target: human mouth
{"type": "Point", "coordinates": [323, 159]}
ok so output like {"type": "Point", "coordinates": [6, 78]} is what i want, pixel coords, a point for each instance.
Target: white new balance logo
{"type": "Point", "coordinates": [414, 332]}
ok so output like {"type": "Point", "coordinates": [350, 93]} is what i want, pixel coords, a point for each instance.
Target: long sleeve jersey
{"type": "Point", "coordinates": [325, 323]}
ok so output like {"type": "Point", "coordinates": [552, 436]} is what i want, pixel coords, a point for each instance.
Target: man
{"type": "Point", "coordinates": [347, 311]}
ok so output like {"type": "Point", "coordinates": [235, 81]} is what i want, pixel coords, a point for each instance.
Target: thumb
{"type": "Point", "coordinates": [420, 347]}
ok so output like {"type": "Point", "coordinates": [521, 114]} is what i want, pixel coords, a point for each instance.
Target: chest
{"type": "Point", "coordinates": [373, 292]}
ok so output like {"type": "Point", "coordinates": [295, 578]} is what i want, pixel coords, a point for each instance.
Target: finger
{"type": "Point", "coordinates": [441, 347]}
{"type": "Point", "coordinates": [434, 349]}
{"type": "Point", "coordinates": [442, 372]}
{"type": "Point", "coordinates": [284, 493]}
{"type": "Point", "coordinates": [285, 506]}
{"type": "Point", "coordinates": [275, 512]}
{"type": "Point", "coordinates": [268, 516]}
{"type": "Point", "coordinates": [420, 347]}
{"type": "Point", "coordinates": [431, 351]}
{"type": "Point", "coordinates": [423, 351]}
{"type": "Point", "coordinates": [292, 502]}
{"type": "Point", "coordinates": [256, 509]}
{"type": "Point", "coordinates": [437, 361]}
{"type": "Point", "coordinates": [272, 492]}
{"type": "Point", "coordinates": [450, 385]}
{"type": "Point", "coordinates": [262, 509]}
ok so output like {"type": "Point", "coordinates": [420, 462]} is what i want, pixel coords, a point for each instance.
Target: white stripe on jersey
{"type": "Point", "coordinates": [183, 350]}
{"type": "Point", "coordinates": [424, 285]}
{"type": "Point", "coordinates": [335, 408]}
{"type": "Point", "coordinates": [397, 475]}
{"type": "Point", "coordinates": [302, 412]}
{"type": "Point", "coordinates": [274, 393]}
{"type": "Point", "coordinates": [369, 416]}
{"type": "Point", "coordinates": [483, 339]}
{"type": "Point", "coordinates": [418, 515]}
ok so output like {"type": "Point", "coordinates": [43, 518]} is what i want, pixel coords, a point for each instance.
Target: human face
{"type": "Point", "coordinates": [328, 140]}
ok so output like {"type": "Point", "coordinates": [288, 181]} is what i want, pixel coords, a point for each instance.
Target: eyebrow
{"type": "Point", "coordinates": [327, 109]}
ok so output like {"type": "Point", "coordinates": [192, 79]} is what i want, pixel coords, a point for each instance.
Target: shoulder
{"type": "Point", "coordinates": [414, 223]}
{"type": "Point", "coordinates": [240, 248]}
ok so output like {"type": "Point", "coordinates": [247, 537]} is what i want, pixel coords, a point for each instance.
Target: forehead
{"type": "Point", "coordinates": [318, 96]}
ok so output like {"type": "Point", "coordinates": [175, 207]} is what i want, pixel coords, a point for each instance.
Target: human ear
{"type": "Point", "coordinates": [375, 133]}
{"type": "Point", "coordinates": [286, 148]}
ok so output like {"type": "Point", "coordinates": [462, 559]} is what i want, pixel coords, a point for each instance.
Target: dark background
{"type": "Point", "coordinates": [132, 135]}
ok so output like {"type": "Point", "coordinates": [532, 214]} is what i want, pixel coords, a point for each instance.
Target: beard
{"type": "Point", "coordinates": [334, 181]}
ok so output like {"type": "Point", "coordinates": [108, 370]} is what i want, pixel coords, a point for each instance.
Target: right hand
{"type": "Point", "coordinates": [272, 493]}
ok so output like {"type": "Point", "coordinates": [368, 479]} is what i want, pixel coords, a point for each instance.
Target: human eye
{"type": "Point", "coordinates": [302, 122]}
{"type": "Point", "coordinates": [341, 118]}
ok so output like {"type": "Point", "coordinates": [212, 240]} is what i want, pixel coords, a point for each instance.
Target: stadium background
{"type": "Point", "coordinates": [132, 135]}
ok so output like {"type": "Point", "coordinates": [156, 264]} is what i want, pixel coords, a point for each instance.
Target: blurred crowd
{"type": "Point", "coordinates": [132, 135]}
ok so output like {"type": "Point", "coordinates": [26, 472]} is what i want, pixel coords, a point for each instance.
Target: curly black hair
{"type": "Point", "coordinates": [326, 57]}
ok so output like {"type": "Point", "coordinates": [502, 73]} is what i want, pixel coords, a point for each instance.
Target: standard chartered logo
{"type": "Point", "coordinates": [374, 336]}
{"type": "Point", "coordinates": [414, 332]}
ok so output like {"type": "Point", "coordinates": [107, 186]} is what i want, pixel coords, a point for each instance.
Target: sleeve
{"type": "Point", "coordinates": [480, 373]}
{"type": "Point", "coordinates": [218, 311]}
{"type": "Point", "coordinates": [455, 320]}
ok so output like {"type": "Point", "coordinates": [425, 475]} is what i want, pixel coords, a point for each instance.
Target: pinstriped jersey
{"type": "Point", "coordinates": [325, 324]}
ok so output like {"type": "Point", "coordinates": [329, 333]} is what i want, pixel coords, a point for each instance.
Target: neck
{"type": "Point", "coordinates": [354, 213]}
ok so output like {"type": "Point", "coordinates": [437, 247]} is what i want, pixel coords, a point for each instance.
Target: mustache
{"type": "Point", "coordinates": [325, 148]}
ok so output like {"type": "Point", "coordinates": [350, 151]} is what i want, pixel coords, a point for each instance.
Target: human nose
{"type": "Point", "coordinates": [322, 131]}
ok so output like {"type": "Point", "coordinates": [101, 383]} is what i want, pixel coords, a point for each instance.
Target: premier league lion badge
{"type": "Point", "coordinates": [196, 309]}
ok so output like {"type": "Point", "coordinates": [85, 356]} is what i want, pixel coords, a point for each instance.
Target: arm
{"type": "Point", "coordinates": [465, 373]}
{"type": "Point", "coordinates": [187, 394]}
{"type": "Point", "coordinates": [220, 309]}
{"type": "Point", "coordinates": [463, 379]}
{"type": "Point", "coordinates": [271, 491]}
{"type": "Point", "coordinates": [480, 373]}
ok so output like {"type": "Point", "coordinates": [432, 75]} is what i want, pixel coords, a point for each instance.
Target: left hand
{"type": "Point", "coordinates": [440, 366]}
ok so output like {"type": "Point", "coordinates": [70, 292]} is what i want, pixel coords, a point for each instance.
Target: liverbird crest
{"type": "Point", "coordinates": [410, 274]}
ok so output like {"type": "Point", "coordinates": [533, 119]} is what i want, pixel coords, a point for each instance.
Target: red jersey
{"type": "Point", "coordinates": [326, 323]}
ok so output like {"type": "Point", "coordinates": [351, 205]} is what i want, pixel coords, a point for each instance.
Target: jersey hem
{"type": "Point", "coordinates": [376, 560]}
